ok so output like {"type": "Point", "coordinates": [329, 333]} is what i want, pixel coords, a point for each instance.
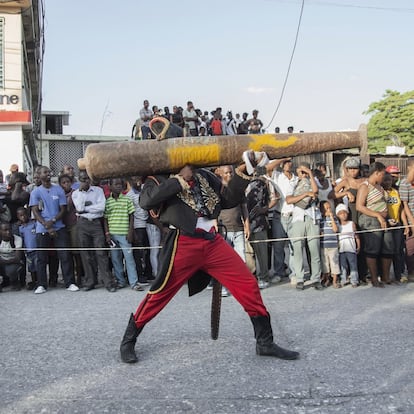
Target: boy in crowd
{"type": "Point", "coordinates": [119, 228]}
{"type": "Point", "coordinates": [349, 246]}
{"type": "Point", "coordinates": [27, 231]}
{"type": "Point", "coordinates": [329, 245]}
{"type": "Point", "coordinates": [10, 256]}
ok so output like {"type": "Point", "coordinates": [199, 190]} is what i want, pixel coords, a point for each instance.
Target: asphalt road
{"type": "Point", "coordinates": [59, 354]}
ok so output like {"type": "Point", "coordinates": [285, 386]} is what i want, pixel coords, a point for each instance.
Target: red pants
{"type": "Point", "coordinates": [218, 259]}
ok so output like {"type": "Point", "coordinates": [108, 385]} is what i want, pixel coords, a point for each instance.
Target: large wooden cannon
{"type": "Point", "coordinates": [122, 159]}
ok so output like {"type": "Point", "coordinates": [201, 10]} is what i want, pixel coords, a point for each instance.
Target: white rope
{"type": "Point", "coordinates": [79, 249]}
{"type": "Point", "coordinates": [318, 236]}
{"type": "Point", "coordinates": [71, 249]}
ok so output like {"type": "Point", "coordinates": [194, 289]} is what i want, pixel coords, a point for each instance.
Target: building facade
{"type": "Point", "coordinates": [21, 59]}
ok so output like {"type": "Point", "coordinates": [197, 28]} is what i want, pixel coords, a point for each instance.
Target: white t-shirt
{"type": "Point", "coordinates": [190, 114]}
{"type": "Point", "coordinates": [347, 243]}
{"type": "Point", "coordinates": [6, 251]}
{"type": "Point", "coordinates": [286, 187]}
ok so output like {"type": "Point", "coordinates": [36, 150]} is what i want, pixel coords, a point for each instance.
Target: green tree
{"type": "Point", "coordinates": [391, 122]}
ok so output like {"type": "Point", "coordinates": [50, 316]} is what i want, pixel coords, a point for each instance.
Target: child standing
{"type": "Point", "coordinates": [329, 245]}
{"type": "Point", "coordinates": [27, 231]}
{"type": "Point", "coordinates": [396, 218]}
{"type": "Point", "coordinates": [349, 246]}
{"type": "Point", "coordinates": [119, 228]}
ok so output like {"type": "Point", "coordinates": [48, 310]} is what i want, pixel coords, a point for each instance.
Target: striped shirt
{"type": "Point", "coordinates": [407, 194]}
{"type": "Point", "coordinates": [376, 199]}
{"type": "Point", "coordinates": [117, 212]}
{"type": "Point", "coordinates": [329, 238]}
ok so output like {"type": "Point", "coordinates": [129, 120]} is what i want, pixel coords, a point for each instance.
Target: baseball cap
{"type": "Point", "coordinates": [392, 169]}
{"type": "Point", "coordinates": [352, 163]}
{"type": "Point", "coordinates": [341, 207]}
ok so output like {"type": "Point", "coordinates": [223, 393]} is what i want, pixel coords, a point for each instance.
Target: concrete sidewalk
{"type": "Point", "coordinates": [59, 354]}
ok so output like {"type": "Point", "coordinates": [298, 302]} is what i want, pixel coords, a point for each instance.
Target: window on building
{"type": "Point", "coordinates": [54, 124]}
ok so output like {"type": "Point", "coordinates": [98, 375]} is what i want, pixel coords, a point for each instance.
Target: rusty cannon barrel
{"type": "Point", "coordinates": [122, 159]}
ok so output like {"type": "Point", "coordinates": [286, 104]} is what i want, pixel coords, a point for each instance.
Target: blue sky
{"type": "Point", "coordinates": [103, 58]}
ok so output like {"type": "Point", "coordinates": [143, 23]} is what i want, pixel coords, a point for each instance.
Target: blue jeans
{"type": "Point", "coordinates": [348, 260]}
{"type": "Point", "coordinates": [236, 240]}
{"type": "Point", "coordinates": [154, 238]}
{"type": "Point", "coordinates": [116, 256]}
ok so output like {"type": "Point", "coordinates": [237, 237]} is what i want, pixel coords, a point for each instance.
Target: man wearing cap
{"type": "Point", "coordinates": [396, 219]}
{"type": "Point", "coordinates": [347, 188]}
{"type": "Point", "coordinates": [395, 173]}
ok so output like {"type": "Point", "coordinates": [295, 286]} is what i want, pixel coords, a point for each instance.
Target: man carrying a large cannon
{"type": "Point", "coordinates": [189, 203]}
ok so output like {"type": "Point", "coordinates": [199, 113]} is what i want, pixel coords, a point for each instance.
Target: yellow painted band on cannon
{"type": "Point", "coordinates": [194, 154]}
{"type": "Point", "coordinates": [263, 140]}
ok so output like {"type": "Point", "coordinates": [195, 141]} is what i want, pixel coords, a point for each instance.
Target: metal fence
{"type": "Point", "coordinates": [65, 152]}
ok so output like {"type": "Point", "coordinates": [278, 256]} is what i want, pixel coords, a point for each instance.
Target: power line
{"type": "Point", "coordinates": [290, 64]}
{"type": "Point", "coordinates": [355, 6]}
{"type": "Point", "coordinates": [359, 6]}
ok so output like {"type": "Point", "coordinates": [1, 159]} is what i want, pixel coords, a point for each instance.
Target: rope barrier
{"type": "Point", "coordinates": [250, 241]}
{"type": "Point", "coordinates": [319, 236]}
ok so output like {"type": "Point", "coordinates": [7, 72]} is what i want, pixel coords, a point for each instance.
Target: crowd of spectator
{"type": "Point", "coordinates": [293, 225]}
{"type": "Point", "coordinates": [87, 230]}
{"type": "Point", "coordinates": [314, 231]}
{"type": "Point", "coordinates": [196, 122]}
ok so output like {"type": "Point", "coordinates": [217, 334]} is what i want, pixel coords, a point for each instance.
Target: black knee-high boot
{"type": "Point", "coordinates": [129, 340]}
{"type": "Point", "coordinates": [264, 340]}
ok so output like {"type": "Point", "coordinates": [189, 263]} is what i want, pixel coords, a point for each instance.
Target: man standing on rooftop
{"type": "Point", "coordinates": [190, 119]}
{"type": "Point", "coordinates": [145, 115]}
